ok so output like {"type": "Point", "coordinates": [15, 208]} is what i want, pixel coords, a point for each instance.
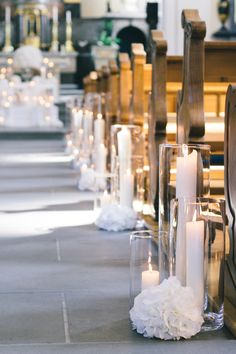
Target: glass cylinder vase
{"type": "Point", "coordinates": [125, 141]}
{"type": "Point", "coordinates": [183, 173]}
{"type": "Point", "coordinates": [130, 184]}
{"type": "Point", "coordinates": [144, 262]}
{"type": "Point", "coordinates": [105, 188]}
{"type": "Point", "coordinates": [197, 234]}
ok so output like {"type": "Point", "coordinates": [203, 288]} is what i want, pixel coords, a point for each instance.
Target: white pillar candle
{"type": "Point", "coordinates": [106, 199]}
{"type": "Point", "coordinates": [99, 131]}
{"type": "Point", "coordinates": [101, 156]}
{"type": "Point", "coordinates": [125, 147]}
{"type": "Point", "coordinates": [125, 176]}
{"type": "Point", "coordinates": [88, 126]}
{"type": "Point", "coordinates": [78, 119]}
{"type": "Point", "coordinates": [127, 189]}
{"type": "Point", "coordinates": [55, 14]}
{"type": "Point", "coordinates": [150, 278]}
{"type": "Point", "coordinates": [195, 259]}
{"type": "Point", "coordinates": [7, 15]}
{"type": "Point", "coordinates": [68, 17]}
{"type": "Point", "coordinates": [186, 187]}
{"type": "Point", "coordinates": [186, 175]}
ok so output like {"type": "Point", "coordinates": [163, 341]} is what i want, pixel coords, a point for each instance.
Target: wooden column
{"type": "Point", "coordinates": [190, 110]}
{"type": "Point", "coordinates": [158, 118]}
{"type": "Point", "coordinates": [138, 62]}
{"type": "Point", "coordinates": [230, 198]}
{"type": "Point", "coordinates": [125, 87]}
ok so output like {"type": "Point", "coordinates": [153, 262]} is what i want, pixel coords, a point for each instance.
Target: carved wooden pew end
{"type": "Point", "coordinates": [230, 198]}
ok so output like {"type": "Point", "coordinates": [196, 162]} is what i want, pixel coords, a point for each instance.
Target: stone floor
{"type": "Point", "coordinates": [64, 284]}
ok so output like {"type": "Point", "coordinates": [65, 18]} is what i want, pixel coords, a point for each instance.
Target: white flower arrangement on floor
{"type": "Point", "coordinates": [87, 179]}
{"type": "Point", "coordinates": [166, 311]}
{"type": "Point", "coordinates": [113, 217]}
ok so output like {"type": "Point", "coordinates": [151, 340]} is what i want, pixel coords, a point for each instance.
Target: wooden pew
{"type": "Point", "coordinates": [191, 120]}
{"type": "Point", "coordinates": [230, 197]}
{"type": "Point", "coordinates": [138, 64]}
{"type": "Point", "coordinates": [147, 85]}
{"type": "Point", "coordinates": [220, 57]}
{"type": "Point", "coordinates": [90, 82]}
{"type": "Point", "coordinates": [190, 110]}
{"type": "Point", "coordinates": [105, 79]}
{"type": "Point", "coordinates": [219, 69]}
{"type": "Point", "coordinates": [158, 116]}
{"type": "Point", "coordinates": [113, 88]}
{"type": "Point", "coordinates": [125, 87]}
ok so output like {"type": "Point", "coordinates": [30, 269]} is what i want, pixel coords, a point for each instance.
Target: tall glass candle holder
{"type": "Point", "coordinates": [126, 141]}
{"type": "Point", "coordinates": [130, 182]}
{"type": "Point", "coordinates": [183, 172]}
{"type": "Point", "coordinates": [144, 264]}
{"type": "Point", "coordinates": [197, 234]}
{"type": "Point", "coordinates": [105, 191]}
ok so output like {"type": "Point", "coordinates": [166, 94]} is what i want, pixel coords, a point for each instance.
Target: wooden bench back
{"type": "Point", "coordinates": [138, 64]}
{"type": "Point", "coordinates": [190, 100]}
{"type": "Point", "coordinates": [125, 87]}
{"type": "Point", "coordinates": [230, 198]}
{"type": "Point", "coordinates": [113, 88]}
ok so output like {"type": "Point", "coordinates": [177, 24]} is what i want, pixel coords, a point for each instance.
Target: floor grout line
{"type": "Point", "coordinates": [71, 344]}
{"type": "Point", "coordinates": [58, 250]}
{"type": "Point", "coordinates": [65, 319]}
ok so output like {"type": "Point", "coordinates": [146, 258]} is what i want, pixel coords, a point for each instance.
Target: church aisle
{"type": "Point", "coordinates": [64, 284]}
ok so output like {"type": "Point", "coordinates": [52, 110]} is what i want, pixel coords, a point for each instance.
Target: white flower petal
{"type": "Point", "coordinates": [167, 311]}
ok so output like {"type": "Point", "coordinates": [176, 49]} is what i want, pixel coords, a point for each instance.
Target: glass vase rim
{"type": "Point", "coordinates": [150, 234]}
{"type": "Point", "coordinates": [126, 125]}
{"type": "Point", "coordinates": [191, 145]}
{"type": "Point", "coordinates": [105, 175]}
{"type": "Point", "coordinates": [200, 200]}
{"type": "Point", "coordinates": [133, 157]}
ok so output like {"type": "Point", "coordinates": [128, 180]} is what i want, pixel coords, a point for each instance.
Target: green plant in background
{"type": "Point", "coordinates": [106, 35]}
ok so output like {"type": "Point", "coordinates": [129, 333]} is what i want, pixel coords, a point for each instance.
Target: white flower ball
{"type": "Point", "coordinates": [116, 218]}
{"type": "Point", "coordinates": [167, 311]}
{"type": "Point", "coordinates": [27, 57]}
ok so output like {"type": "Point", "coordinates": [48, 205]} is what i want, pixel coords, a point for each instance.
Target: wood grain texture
{"type": "Point", "coordinates": [220, 58]}
{"type": "Point", "coordinates": [230, 198]}
{"type": "Point", "coordinates": [138, 63]}
{"type": "Point", "coordinates": [105, 79]}
{"type": "Point", "coordinates": [125, 85]}
{"type": "Point", "coordinates": [158, 117]}
{"type": "Point", "coordinates": [190, 101]}
{"type": "Point", "coordinates": [114, 88]}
